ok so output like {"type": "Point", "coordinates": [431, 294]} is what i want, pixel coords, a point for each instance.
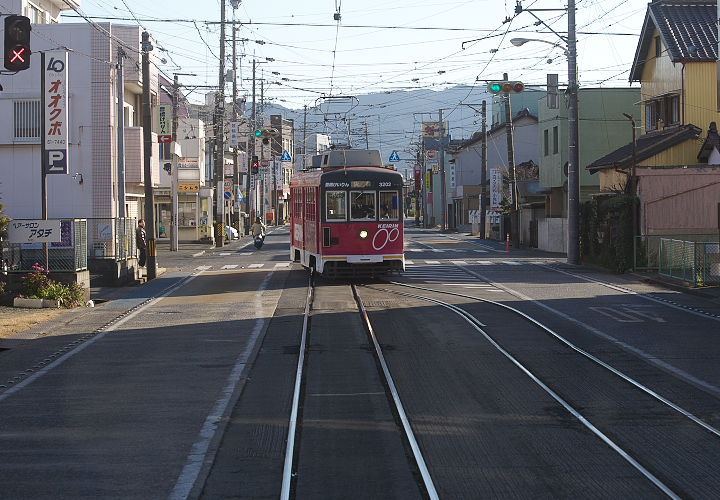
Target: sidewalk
{"type": "Point", "coordinates": [167, 261]}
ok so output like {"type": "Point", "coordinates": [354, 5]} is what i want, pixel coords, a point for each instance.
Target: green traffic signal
{"type": "Point", "coordinates": [258, 133]}
{"type": "Point", "coordinates": [495, 87]}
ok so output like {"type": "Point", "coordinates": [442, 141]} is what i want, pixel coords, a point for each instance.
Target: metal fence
{"type": "Point", "coordinates": [69, 254]}
{"type": "Point", "coordinates": [111, 238]}
{"type": "Point", "coordinates": [647, 248]}
{"type": "Point", "coordinates": [690, 261]}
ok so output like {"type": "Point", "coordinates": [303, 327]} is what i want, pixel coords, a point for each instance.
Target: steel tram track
{"type": "Point", "coordinates": [290, 462]}
{"type": "Point", "coordinates": [478, 325]}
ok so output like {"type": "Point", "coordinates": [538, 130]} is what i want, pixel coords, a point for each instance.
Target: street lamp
{"type": "Point", "coordinates": [573, 203]}
{"type": "Point", "coordinates": [517, 42]}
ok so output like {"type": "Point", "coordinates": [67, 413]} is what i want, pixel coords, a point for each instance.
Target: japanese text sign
{"type": "Point", "coordinates": [34, 231]}
{"type": "Point", "coordinates": [164, 130]}
{"type": "Point", "coordinates": [55, 123]}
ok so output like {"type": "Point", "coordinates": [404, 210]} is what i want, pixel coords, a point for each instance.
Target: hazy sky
{"type": "Point", "coordinates": [383, 45]}
{"type": "Point", "coordinates": [380, 45]}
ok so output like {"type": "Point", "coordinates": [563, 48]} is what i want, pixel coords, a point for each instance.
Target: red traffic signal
{"type": "Point", "coordinates": [16, 53]}
{"type": "Point", "coordinates": [505, 87]}
{"type": "Point", "coordinates": [254, 165]}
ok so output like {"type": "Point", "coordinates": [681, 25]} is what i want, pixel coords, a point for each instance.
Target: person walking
{"type": "Point", "coordinates": [141, 242]}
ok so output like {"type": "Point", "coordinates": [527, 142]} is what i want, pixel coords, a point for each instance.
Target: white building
{"type": "Point", "coordinates": [40, 11]}
{"type": "Point", "coordinates": [91, 188]}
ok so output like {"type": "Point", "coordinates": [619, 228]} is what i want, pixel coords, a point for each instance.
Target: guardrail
{"type": "Point", "coordinates": [69, 254]}
{"type": "Point", "coordinates": [647, 248]}
{"type": "Point", "coordinates": [111, 238]}
{"type": "Point", "coordinates": [690, 261]}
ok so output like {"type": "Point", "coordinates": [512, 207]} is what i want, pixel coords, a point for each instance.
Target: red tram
{"type": "Point", "coordinates": [347, 215]}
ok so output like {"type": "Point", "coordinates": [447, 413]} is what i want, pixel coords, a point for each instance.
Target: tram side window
{"type": "Point", "coordinates": [335, 205]}
{"type": "Point", "coordinates": [310, 203]}
{"type": "Point", "coordinates": [389, 205]}
{"type": "Point", "coordinates": [363, 205]}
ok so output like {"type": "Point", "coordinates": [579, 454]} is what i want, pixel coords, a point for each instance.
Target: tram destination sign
{"type": "Point", "coordinates": [360, 184]}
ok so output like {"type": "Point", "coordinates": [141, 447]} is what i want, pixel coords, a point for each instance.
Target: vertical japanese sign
{"type": "Point", "coordinates": [164, 130]}
{"type": "Point", "coordinates": [55, 122]}
{"type": "Point", "coordinates": [496, 188]}
{"type": "Point", "coordinates": [234, 136]}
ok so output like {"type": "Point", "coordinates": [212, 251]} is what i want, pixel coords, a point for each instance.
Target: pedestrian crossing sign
{"type": "Point", "coordinates": [394, 156]}
{"type": "Point", "coordinates": [285, 156]}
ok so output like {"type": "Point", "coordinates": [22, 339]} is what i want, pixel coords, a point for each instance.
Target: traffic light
{"type": "Point", "coordinates": [505, 87]}
{"type": "Point", "coordinates": [16, 53]}
{"type": "Point", "coordinates": [266, 134]}
{"type": "Point", "coordinates": [254, 165]}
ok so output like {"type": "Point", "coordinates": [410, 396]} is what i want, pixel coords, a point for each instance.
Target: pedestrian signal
{"type": "Point", "coordinates": [17, 43]}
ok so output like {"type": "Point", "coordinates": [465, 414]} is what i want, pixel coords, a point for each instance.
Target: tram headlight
{"type": "Point", "coordinates": [363, 234]}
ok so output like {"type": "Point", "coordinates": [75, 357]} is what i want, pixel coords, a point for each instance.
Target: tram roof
{"type": "Point", "coordinates": [347, 158]}
{"type": "Point", "coordinates": [347, 176]}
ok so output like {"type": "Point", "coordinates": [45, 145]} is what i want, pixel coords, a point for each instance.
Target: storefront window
{"type": "Point", "coordinates": [186, 214]}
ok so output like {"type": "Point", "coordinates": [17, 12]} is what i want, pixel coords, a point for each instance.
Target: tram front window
{"type": "Point", "coordinates": [389, 205]}
{"type": "Point", "coordinates": [335, 205]}
{"type": "Point", "coordinates": [363, 205]}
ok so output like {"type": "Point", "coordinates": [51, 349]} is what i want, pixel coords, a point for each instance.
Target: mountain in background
{"type": "Point", "coordinates": [390, 121]}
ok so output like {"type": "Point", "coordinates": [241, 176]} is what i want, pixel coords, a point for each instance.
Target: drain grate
{"type": "Point", "coordinates": [380, 303]}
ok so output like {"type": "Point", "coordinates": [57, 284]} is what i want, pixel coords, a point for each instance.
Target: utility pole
{"type": "Point", "coordinates": [515, 214]}
{"type": "Point", "coordinates": [483, 170]}
{"type": "Point", "coordinates": [441, 156]}
{"type": "Point", "coordinates": [174, 225]}
{"type": "Point", "coordinates": [251, 147]}
{"type": "Point", "coordinates": [237, 176]}
{"type": "Point", "coordinates": [261, 208]}
{"type": "Point", "coordinates": [219, 143]}
{"type": "Point", "coordinates": [147, 146]}
{"type": "Point", "coordinates": [120, 90]}
{"type": "Point", "coordinates": [304, 146]}
{"type": "Point", "coordinates": [573, 254]}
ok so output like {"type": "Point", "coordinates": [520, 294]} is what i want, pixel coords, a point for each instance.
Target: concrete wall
{"type": "Point", "coordinates": [552, 235]}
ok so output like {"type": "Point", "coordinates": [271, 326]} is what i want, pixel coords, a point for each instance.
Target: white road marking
{"type": "Point", "coordinates": [245, 253]}
{"type": "Point", "coordinates": [224, 253]}
{"type": "Point", "coordinates": [282, 264]}
{"type": "Point", "coordinates": [459, 262]}
{"type": "Point", "coordinates": [432, 262]}
{"type": "Point", "coordinates": [511, 263]}
{"type": "Point", "coordinates": [484, 263]}
{"type": "Point", "coordinates": [214, 421]}
{"type": "Point", "coordinates": [409, 262]}
{"type": "Point", "coordinates": [255, 266]}
{"type": "Point", "coordinates": [480, 251]}
{"type": "Point", "coordinates": [229, 266]}
{"type": "Point", "coordinates": [202, 268]}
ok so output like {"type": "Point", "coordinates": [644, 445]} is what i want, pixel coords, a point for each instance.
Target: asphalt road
{"type": "Point", "coordinates": [181, 387]}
